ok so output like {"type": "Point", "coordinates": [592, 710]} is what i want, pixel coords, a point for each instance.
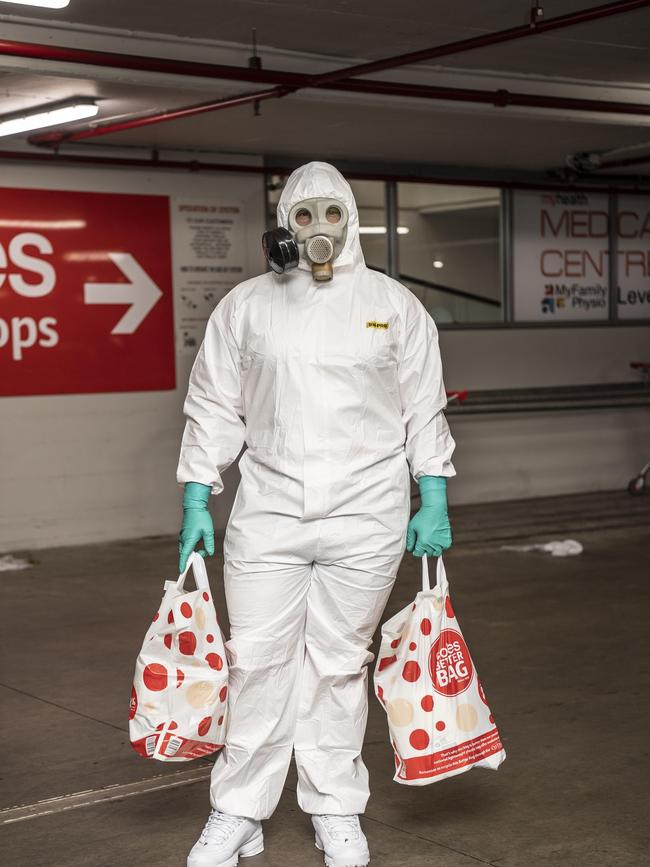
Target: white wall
{"type": "Point", "coordinates": [85, 468]}
{"type": "Point", "coordinates": [541, 454]}
{"type": "Point", "coordinates": [467, 241]}
{"type": "Point", "coordinates": [516, 456]}
{"type": "Point", "coordinates": [544, 356]}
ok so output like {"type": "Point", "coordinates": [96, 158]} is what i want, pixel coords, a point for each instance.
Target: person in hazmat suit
{"type": "Point", "coordinates": [330, 373]}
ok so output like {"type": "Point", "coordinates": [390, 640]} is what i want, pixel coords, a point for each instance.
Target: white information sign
{"type": "Point", "coordinates": [209, 254]}
{"type": "Point", "coordinates": [560, 256]}
{"type": "Point", "coordinates": [633, 228]}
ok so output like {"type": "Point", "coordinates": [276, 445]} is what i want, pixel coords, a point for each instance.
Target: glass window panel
{"type": "Point", "coordinates": [369, 196]}
{"type": "Point", "coordinates": [449, 250]}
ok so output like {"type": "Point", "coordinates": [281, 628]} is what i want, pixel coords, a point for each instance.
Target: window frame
{"type": "Point", "coordinates": [506, 235]}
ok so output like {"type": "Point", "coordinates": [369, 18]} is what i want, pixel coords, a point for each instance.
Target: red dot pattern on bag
{"type": "Point", "coordinates": [425, 626]}
{"type": "Point", "coordinates": [167, 639]}
{"type": "Point", "coordinates": [413, 646]}
{"type": "Point", "coordinates": [380, 693]}
{"type": "Point", "coordinates": [180, 677]}
{"type": "Point", "coordinates": [411, 671]}
{"type": "Point", "coordinates": [156, 616]}
{"type": "Point", "coordinates": [223, 693]}
{"type": "Point", "coordinates": [186, 609]}
{"type": "Point", "coordinates": [214, 661]}
{"type": "Point", "coordinates": [491, 718]}
{"type": "Point", "coordinates": [220, 721]}
{"type": "Point", "coordinates": [206, 596]}
{"type": "Point", "coordinates": [419, 739]}
{"type": "Point", "coordinates": [450, 664]}
{"type": "Point", "coordinates": [187, 643]}
{"type": "Point", "coordinates": [160, 727]}
{"type": "Point", "coordinates": [440, 726]}
{"type": "Point", "coordinates": [395, 643]}
{"type": "Point", "coordinates": [448, 608]}
{"type": "Point", "coordinates": [427, 703]}
{"type": "Point", "coordinates": [386, 661]}
{"type": "Point", "coordinates": [173, 725]}
{"type": "Point", "coordinates": [155, 677]}
{"type": "Point", "coordinates": [133, 704]}
{"type": "Point", "coordinates": [170, 617]}
{"type": "Point", "coordinates": [209, 638]}
{"type": "Point", "coordinates": [204, 726]}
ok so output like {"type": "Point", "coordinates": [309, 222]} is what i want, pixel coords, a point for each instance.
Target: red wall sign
{"type": "Point", "coordinates": [85, 293]}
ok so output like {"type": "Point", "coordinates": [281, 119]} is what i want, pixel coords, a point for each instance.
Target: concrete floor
{"type": "Point", "coordinates": [560, 645]}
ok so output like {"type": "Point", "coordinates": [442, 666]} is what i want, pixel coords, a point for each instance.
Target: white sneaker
{"type": "Point", "coordinates": [224, 839]}
{"type": "Point", "coordinates": [341, 840]}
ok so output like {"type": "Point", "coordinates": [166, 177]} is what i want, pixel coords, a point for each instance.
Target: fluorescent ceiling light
{"type": "Point", "coordinates": [42, 224]}
{"type": "Point", "coordinates": [381, 230]}
{"type": "Point", "coordinates": [47, 4]}
{"type": "Point", "coordinates": [44, 117]}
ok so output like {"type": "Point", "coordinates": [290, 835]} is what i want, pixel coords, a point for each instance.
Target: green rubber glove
{"type": "Point", "coordinates": [429, 531]}
{"type": "Point", "coordinates": [197, 523]}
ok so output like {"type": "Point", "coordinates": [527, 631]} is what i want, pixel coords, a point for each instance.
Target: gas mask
{"type": "Point", "coordinates": [317, 231]}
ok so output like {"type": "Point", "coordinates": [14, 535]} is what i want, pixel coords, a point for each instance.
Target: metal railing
{"type": "Point", "coordinates": [554, 399]}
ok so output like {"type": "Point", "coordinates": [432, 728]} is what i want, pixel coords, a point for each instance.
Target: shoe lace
{"type": "Point", "coordinates": [342, 827]}
{"type": "Point", "coordinates": [219, 827]}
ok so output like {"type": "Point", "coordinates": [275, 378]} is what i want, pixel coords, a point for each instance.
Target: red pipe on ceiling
{"type": "Point", "coordinates": [52, 138]}
{"type": "Point", "coordinates": [114, 60]}
{"type": "Point", "coordinates": [12, 48]}
{"type": "Point", "coordinates": [498, 98]}
{"type": "Point", "coordinates": [336, 80]}
{"type": "Point", "coordinates": [531, 29]}
{"type": "Point", "coordinates": [236, 168]}
{"type": "Point", "coordinates": [622, 163]}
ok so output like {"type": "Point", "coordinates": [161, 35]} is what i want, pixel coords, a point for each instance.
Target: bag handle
{"type": "Point", "coordinates": [196, 563]}
{"type": "Point", "coordinates": [441, 575]}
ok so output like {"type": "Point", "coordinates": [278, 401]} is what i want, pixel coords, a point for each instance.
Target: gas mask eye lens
{"type": "Point", "coordinates": [303, 217]}
{"type": "Point", "coordinates": [333, 214]}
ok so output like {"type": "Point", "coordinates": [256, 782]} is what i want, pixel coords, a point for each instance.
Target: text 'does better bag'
{"type": "Point", "coordinates": [438, 717]}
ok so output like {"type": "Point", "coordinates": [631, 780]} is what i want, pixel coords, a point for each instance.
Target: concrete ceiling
{"type": "Point", "coordinates": [381, 28]}
{"type": "Point", "coordinates": [608, 59]}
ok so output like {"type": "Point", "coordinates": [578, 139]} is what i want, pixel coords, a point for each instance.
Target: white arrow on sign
{"type": "Point", "coordinates": [140, 292]}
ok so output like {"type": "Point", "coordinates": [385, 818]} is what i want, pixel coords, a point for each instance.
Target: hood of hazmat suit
{"type": "Point", "coordinates": [336, 389]}
{"type": "Point", "coordinates": [322, 181]}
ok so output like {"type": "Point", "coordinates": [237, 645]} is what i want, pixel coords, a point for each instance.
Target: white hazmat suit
{"type": "Point", "coordinates": [336, 388]}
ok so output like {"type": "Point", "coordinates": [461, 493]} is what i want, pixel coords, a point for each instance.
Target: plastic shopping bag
{"type": "Point", "coordinates": [178, 701]}
{"type": "Point", "coordinates": [439, 720]}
